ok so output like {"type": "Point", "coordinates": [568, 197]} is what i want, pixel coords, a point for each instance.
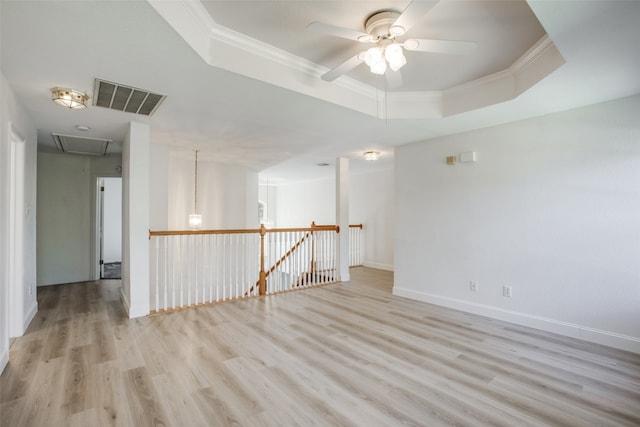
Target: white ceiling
{"type": "Point", "coordinates": [242, 78]}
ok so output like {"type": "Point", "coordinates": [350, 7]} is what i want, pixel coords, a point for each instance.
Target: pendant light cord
{"type": "Point", "coordinates": [195, 198]}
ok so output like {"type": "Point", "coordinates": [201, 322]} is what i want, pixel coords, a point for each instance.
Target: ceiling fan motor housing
{"type": "Point", "coordinates": [379, 24]}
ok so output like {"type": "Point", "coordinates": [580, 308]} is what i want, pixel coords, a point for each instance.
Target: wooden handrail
{"type": "Point", "coordinates": [192, 232]}
{"type": "Point", "coordinates": [355, 226]}
{"type": "Point", "coordinates": [243, 231]}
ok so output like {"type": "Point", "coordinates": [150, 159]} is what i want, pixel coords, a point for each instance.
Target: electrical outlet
{"type": "Point", "coordinates": [507, 291]}
{"type": "Point", "coordinates": [473, 286]}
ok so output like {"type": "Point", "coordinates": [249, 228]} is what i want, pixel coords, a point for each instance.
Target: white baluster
{"type": "Point", "coordinates": [237, 265]}
{"type": "Point", "coordinates": [211, 266]}
{"type": "Point", "coordinates": [165, 241]}
{"type": "Point", "coordinates": [156, 265]}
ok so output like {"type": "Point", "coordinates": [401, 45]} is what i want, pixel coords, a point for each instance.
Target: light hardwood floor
{"type": "Point", "coordinates": [339, 355]}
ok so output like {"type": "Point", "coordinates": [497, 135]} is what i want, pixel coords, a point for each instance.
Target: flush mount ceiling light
{"type": "Point", "coordinates": [69, 98]}
{"type": "Point", "coordinates": [371, 155]}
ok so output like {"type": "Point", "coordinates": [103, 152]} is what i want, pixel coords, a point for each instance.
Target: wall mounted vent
{"type": "Point", "coordinates": [125, 98]}
{"type": "Point", "coordinates": [81, 145]}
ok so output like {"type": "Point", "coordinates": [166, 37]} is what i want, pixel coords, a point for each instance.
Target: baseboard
{"type": "Point", "coordinates": [124, 300]}
{"type": "Point", "coordinates": [611, 339]}
{"type": "Point", "coordinates": [30, 315]}
{"type": "Point", "coordinates": [4, 359]}
{"type": "Point", "coordinates": [133, 311]}
{"type": "Point", "coordinates": [378, 265]}
{"type": "Point", "coordinates": [48, 281]}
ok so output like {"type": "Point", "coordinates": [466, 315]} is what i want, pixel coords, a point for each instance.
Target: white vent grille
{"type": "Point", "coordinates": [81, 145]}
{"type": "Point", "coordinates": [125, 98]}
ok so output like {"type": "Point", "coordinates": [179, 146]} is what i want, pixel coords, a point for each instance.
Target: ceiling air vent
{"type": "Point", "coordinates": [81, 145]}
{"type": "Point", "coordinates": [125, 98]}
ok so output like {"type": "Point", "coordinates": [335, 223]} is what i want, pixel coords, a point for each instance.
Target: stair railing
{"type": "Point", "coordinates": [195, 267]}
{"type": "Point", "coordinates": [355, 244]}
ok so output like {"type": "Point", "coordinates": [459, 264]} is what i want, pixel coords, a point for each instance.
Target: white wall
{"type": "Point", "coordinates": [67, 187]}
{"type": "Point", "coordinates": [267, 194]}
{"type": "Point", "coordinates": [299, 204]}
{"type": "Point", "coordinates": [112, 220]}
{"type": "Point", "coordinates": [136, 174]}
{"type": "Point", "coordinates": [64, 212]}
{"type": "Point", "coordinates": [227, 195]}
{"type": "Point", "coordinates": [551, 208]}
{"type": "Point", "coordinates": [371, 203]}
{"type": "Point", "coordinates": [158, 187]}
{"type": "Point", "coordinates": [11, 112]}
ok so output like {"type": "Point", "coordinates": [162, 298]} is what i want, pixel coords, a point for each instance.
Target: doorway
{"type": "Point", "coordinates": [110, 227]}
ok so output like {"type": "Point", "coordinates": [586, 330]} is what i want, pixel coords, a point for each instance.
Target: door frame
{"type": "Point", "coordinates": [17, 156]}
{"type": "Point", "coordinates": [99, 224]}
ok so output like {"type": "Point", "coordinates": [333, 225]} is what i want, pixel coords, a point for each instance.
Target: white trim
{"type": "Point", "coordinates": [125, 301]}
{"type": "Point", "coordinates": [133, 312]}
{"type": "Point", "coordinates": [377, 265]}
{"type": "Point", "coordinates": [608, 338]}
{"type": "Point", "coordinates": [4, 360]}
{"type": "Point", "coordinates": [16, 273]}
{"type": "Point", "coordinates": [30, 315]}
{"type": "Point", "coordinates": [62, 280]}
{"type": "Point", "coordinates": [536, 52]}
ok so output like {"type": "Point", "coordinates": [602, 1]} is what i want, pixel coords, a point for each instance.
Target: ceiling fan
{"type": "Point", "coordinates": [383, 29]}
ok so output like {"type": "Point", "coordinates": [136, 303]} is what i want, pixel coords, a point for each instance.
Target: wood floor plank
{"type": "Point", "coordinates": [143, 400]}
{"type": "Point", "coordinates": [348, 354]}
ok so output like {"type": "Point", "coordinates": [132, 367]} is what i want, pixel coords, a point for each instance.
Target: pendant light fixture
{"type": "Point", "coordinates": [195, 219]}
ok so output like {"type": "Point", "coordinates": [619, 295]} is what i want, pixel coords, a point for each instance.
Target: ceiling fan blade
{"type": "Point", "coordinates": [394, 79]}
{"type": "Point", "coordinates": [440, 46]}
{"type": "Point", "coordinates": [345, 67]}
{"type": "Point", "coordinates": [344, 33]}
{"type": "Point", "coordinates": [413, 13]}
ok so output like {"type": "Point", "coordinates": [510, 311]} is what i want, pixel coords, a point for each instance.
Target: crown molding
{"type": "Point", "coordinates": [535, 53]}
{"type": "Point", "coordinates": [219, 46]}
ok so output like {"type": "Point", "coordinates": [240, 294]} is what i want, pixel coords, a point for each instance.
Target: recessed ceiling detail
{"type": "Point", "coordinates": [126, 98]}
{"type": "Point", "coordinates": [81, 145]}
{"type": "Point", "coordinates": [487, 77]}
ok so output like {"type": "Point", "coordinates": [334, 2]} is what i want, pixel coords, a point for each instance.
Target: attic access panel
{"type": "Point", "coordinates": [125, 98]}
{"type": "Point", "coordinates": [81, 145]}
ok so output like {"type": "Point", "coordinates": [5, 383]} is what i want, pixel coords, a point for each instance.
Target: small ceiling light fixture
{"type": "Point", "coordinates": [371, 155]}
{"type": "Point", "coordinates": [69, 98]}
{"type": "Point", "coordinates": [195, 219]}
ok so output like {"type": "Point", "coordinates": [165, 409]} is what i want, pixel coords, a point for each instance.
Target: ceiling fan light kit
{"type": "Point", "coordinates": [394, 56]}
{"type": "Point", "coordinates": [378, 57]}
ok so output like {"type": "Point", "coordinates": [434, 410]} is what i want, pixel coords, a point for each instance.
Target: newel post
{"type": "Point", "coordinates": [262, 282]}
